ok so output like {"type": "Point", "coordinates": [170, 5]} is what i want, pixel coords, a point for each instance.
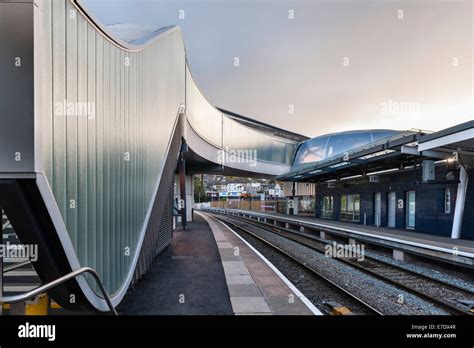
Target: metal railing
{"type": "Point", "coordinates": [44, 288]}
{"type": "Point", "coordinates": [15, 266]}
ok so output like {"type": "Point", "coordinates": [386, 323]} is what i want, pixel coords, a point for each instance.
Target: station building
{"type": "Point", "coordinates": [410, 180]}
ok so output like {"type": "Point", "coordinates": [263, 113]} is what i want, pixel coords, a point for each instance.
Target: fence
{"type": "Point", "coordinates": [306, 205]}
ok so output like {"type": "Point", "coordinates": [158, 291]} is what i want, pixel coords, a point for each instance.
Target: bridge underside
{"type": "Point", "coordinates": [196, 164]}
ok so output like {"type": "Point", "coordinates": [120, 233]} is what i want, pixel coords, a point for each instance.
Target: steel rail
{"type": "Point", "coordinates": [439, 303]}
{"type": "Point", "coordinates": [325, 241]}
{"type": "Point", "coordinates": [318, 274]}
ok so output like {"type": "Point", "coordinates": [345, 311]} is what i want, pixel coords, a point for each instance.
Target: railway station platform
{"type": "Point", "coordinates": [404, 243]}
{"type": "Point", "coordinates": [200, 273]}
{"type": "Point", "coordinates": [186, 278]}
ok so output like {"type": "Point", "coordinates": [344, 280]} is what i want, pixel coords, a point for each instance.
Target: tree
{"type": "Point", "coordinates": [199, 190]}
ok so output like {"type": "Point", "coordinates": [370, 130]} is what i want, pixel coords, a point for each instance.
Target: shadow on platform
{"type": "Point", "coordinates": [187, 278]}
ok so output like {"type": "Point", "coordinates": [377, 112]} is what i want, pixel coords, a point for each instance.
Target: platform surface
{"type": "Point", "coordinates": [187, 278]}
{"type": "Point", "coordinates": [199, 273]}
{"type": "Point", "coordinates": [255, 286]}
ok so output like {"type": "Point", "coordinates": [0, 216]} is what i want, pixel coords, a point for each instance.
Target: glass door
{"type": "Point", "coordinates": [391, 209]}
{"type": "Point", "coordinates": [350, 208]}
{"type": "Point", "coordinates": [411, 197]}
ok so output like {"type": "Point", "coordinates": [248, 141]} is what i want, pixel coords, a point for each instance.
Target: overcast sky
{"type": "Point", "coordinates": [316, 67]}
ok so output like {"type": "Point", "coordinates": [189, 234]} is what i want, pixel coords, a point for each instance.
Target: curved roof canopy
{"type": "Point", "coordinates": [325, 146]}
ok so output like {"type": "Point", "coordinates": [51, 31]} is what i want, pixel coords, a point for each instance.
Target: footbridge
{"type": "Point", "coordinates": [92, 131]}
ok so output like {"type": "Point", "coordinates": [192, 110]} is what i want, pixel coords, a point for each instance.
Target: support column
{"type": "Point", "coordinates": [460, 200]}
{"type": "Point", "coordinates": [1, 261]}
{"type": "Point", "coordinates": [189, 197]}
{"type": "Point", "coordinates": [182, 183]}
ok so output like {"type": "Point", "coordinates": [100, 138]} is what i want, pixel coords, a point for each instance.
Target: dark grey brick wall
{"type": "Point", "coordinates": [468, 221]}
{"type": "Point", "coordinates": [430, 216]}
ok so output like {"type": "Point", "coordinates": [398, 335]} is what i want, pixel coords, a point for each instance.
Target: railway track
{"type": "Point", "coordinates": [352, 298]}
{"type": "Point", "coordinates": [443, 295]}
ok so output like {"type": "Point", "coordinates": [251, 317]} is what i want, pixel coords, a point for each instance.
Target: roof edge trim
{"type": "Point", "coordinates": [102, 28]}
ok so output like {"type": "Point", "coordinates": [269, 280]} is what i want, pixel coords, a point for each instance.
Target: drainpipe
{"type": "Point", "coordinates": [460, 200]}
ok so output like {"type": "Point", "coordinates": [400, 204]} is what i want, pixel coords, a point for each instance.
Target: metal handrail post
{"type": "Point", "coordinates": [44, 288]}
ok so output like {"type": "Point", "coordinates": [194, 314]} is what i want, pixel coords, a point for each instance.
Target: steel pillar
{"type": "Point", "coordinates": [460, 200]}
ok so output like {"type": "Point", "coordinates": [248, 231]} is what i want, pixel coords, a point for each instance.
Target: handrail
{"type": "Point", "coordinates": [43, 288]}
{"type": "Point", "coordinates": [15, 266]}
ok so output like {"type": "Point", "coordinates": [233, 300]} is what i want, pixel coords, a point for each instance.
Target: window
{"type": "Point", "coordinates": [312, 150]}
{"type": "Point", "coordinates": [350, 208]}
{"type": "Point", "coordinates": [306, 206]}
{"type": "Point", "coordinates": [411, 209]}
{"type": "Point", "coordinates": [447, 200]}
{"type": "Point", "coordinates": [327, 207]}
{"type": "Point", "coordinates": [340, 143]}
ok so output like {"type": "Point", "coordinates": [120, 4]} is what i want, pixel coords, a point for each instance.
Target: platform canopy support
{"type": "Point", "coordinates": [460, 200]}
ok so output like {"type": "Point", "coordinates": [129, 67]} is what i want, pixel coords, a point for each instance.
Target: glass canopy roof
{"type": "Point", "coordinates": [325, 146]}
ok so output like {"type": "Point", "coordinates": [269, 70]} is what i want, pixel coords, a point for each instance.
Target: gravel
{"type": "Point", "coordinates": [446, 274]}
{"type": "Point", "coordinates": [386, 298]}
{"type": "Point", "coordinates": [317, 290]}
